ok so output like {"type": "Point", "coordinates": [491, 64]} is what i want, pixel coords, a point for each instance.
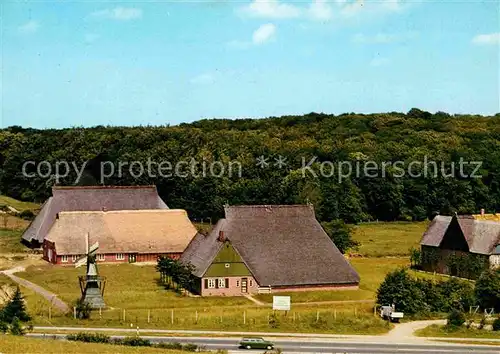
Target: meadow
{"type": "Point", "coordinates": [21, 345]}
{"type": "Point", "coordinates": [388, 239]}
{"type": "Point", "coordinates": [462, 332]}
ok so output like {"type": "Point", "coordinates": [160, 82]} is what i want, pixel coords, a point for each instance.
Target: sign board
{"type": "Point", "coordinates": [281, 303]}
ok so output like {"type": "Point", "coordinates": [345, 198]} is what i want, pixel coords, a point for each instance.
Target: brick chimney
{"type": "Point", "coordinates": [221, 236]}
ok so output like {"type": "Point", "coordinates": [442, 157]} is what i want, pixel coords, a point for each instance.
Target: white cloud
{"type": "Point", "coordinates": [379, 61]}
{"type": "Point", "coordinates": [320, 10]}
{"type": "Point", "coordinates": [271, 9]}
{"type": "Point", "coordinates": [91, 37]}
{"type": "Point", "coordinates": [264, 33]}
{"type": "Point", "coordinates": [119, 13]}
{"type": "Point", "coordinates": [490, 38]}
{"type": "Point", "coordinates": [203, 79]}
{"type": "Point", "coordinates": [29, 27]}
{"type": "Point", "coordinates": [383, 38]}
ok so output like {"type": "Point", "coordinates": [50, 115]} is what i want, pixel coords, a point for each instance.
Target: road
{"type": "Point", "coordinates": [318, 345]}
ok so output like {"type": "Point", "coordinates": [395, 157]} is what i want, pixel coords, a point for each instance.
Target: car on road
{"type": "Point", "coordinates": [256, 343]}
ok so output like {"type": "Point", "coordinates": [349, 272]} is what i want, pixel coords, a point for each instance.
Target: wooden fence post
{"type": "Point", "coordinates": [172, 316]}
{"type": "Point", "coordinates": [196, 317]}
{"type": "Point", "coordinates": [149, 316]}
{"type": "Point", "coordinates": [335, 314]}
{"type": "Point", "coordinates": [124, 316]}
{"type": "Point", "coordinates": [317, 315]}
{"type": "Point", "coordinates": [74, 312]}
{"type": "Point", "coordinates": [244, 317]}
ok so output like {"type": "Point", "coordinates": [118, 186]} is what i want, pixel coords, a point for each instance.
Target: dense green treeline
{"type": "Point", "coordinates": [320, 140]}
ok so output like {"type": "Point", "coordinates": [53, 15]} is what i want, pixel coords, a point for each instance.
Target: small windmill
{"type": "Point", "coordinates": [91, 285]}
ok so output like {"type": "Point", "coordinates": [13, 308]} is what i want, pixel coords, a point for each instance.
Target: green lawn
{"type": "Point", "coordinates": [20, 345]}
{"type": "Point", "coordinates": [380, 239]}
{"type": "Point", "coordinates": [10, 241]}
{"type": "Point", "coordinates": [462, 332]}
{"type": "Point", "coordinates": [17, 204]}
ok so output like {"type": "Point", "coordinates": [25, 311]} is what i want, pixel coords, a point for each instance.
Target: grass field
{"type": "Point", "coordinates": [17, 204]}
{"type": "Point", "coordinates": [135, 290]}
{"type": "Point", "coordinates": [10, 241]}
{"type": "Point", "coordinates": [21, 345]}
{"type": "Point", "coordinates": [381, 239]}
{"type": "Point", "coordinates": [462, 332]}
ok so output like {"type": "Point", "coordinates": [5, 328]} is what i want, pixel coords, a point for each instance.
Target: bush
{"type": "Point", "coordinates": [26, 215]}
{"type": "Point", "coordinates": [16, 327]}
{"type": "Point", "coordinates": [455, 319]}
{"type": "Point", "coordinates": [190, 347]}
{"type": "Point", "coordinates": [496, 324]}
{"type": "Point", "coordinates": [487, 290]}
{"type": "Point", "coordinates": [3, 327]}
{"type": "Point", "coordinates": [83, 309]}
{"type": "Point", "coordinates": [174, 345]}
{"type": "Point", "coordinates": [274, 321]}
{"type": "Point", "coordinates": [89, 337]}
{"type": "Point", "coordinates": [400, 289]}
{"type": "Point", "coordinates": [135, 342]}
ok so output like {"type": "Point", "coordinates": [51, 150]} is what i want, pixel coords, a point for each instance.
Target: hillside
{"type": "Point", "coordinates": [412, 146]}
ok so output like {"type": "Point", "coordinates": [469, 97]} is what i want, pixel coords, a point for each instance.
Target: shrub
{"type": "Point", "coordinates": [173, 345]}
{"type": "Point", "coordinates": [455, 319]}
{"type": "Point", "coordinates": [83, 309]}
{"type": "Point", "coordinates": [190, 347]}
{"type": "Point", "coordinates": [3, 327]}
{"type": "Point", "coordinates": [487, 290]}
{"type": "Point", "coordinates": [400, 289]}
{"type": "Point", "coordinates": [274, 321]}
{"type": "Point", "coordinates": [16, 327]}
{"type": "Point", "coordinates": [89, 337]}
{"type": "Point", "coordinates": [135, 342]}
{"type": "Point", "coordinates": [496, 324]}
{"type": "Point", "coordinates": [482, 323]}
{"type": "Point", "coordinates": [26, 215]}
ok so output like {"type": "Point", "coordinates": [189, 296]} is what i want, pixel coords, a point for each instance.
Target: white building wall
{"type": "Point", "coordinates": [495, 261]}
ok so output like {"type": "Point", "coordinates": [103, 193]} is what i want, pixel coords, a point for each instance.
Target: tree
{"type": "Point", "coordinates": [400, 289]}
{"type": "Point", "coordinates": [487, 290]}
{"type": "Point", "coordinates": [415, 257]}
{"type": "Point", "coordinates": [15, 308]}
{"type": "Point", "coordinates": [16, 328]}
{"type": "Point", "coordinates": [341, 235]}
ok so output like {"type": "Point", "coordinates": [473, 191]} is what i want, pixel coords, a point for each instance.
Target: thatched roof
{"type": "Point", "coordinates": [282, 245]}
{"type": "Point", "coordinates": [125, 231]}
{"type": "Point", "coordinates": [93, 198]}
{"type": "Point", "coordinates": [482, 235]}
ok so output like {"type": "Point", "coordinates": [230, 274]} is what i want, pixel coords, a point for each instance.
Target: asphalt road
{"type": "Point", "coordinates": [326, 346]}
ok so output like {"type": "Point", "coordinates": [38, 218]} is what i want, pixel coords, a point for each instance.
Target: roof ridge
{"type": "Point", "coordinates": [140, 211]}
{"type": "Point", "coordinates": [102, 187]}
{"type": "Point", "coordinates": [269, 206]}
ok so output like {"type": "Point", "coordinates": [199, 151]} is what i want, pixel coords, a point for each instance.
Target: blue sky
{"type": "Point", "coordinates": [92, 63]}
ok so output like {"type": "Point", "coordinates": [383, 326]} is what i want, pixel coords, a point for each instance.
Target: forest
{"type": "Point", "coordinates": [316, 137]}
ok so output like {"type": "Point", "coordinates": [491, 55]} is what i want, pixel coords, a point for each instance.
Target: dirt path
{"type": "Point", "coordinates": [255, 301]}
{"type": "Point", "coordinates": [407, 330]}
{"type": "Point", "coordinates": [50, 297]}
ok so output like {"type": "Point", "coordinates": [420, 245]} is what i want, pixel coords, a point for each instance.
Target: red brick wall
{"type": "Point", "coordinates": [108, 258]}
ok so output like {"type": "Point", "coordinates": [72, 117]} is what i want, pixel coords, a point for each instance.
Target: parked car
{"type": "Point", "coordinates": [256, 343]}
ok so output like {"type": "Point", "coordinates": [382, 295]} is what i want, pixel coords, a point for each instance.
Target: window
{"type": "Point", "coordinates": [73, 258]}
{"type": "Point", "coordinates": [237, 283]}
{"type": "Point", "coordinates": [222, 283]}
{"type": "Point", "coordinates": [211, 283]}
{"type": "Point", "coordinates": [227, 265]}
{"type": "Point", "coordinates": [101, 257]}
{"type": "Point", "coordinates": [120, 256]}
{"type": "Point", "coordinates": [251, 282]}
{"type": "Point", "coordinates": [64, 259]}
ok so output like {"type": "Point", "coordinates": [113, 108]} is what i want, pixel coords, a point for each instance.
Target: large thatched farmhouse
{"type": "Point", "coordinates": [254, 248]}
{"type": "Point", "coordinates": [274, 248]}
{"type": "Point", "coordinates": [472, 237]}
